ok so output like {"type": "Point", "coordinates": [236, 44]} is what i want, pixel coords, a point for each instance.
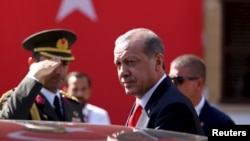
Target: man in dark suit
{"type": "Point", "coordinates": [37, 97]}
{"type": "Point", "coordinates": [188, 73]}
{"type": "Point", "coordinates": [139, 58]}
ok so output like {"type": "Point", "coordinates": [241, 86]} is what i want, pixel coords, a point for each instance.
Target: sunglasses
{"type": "Point", "coordinates": [178, 80]}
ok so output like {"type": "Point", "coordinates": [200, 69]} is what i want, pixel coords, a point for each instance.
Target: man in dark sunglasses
{"type": "Point", "coordinates": [178, 80]}
{"type": "Point", "coordinates": [188, 73]}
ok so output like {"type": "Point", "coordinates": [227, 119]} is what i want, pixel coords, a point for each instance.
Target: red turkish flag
{"type": "Point", "coordinates": [97, 23]}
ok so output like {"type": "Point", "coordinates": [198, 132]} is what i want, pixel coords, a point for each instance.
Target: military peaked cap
{"type": "Point", "coordinates": [52, 43]}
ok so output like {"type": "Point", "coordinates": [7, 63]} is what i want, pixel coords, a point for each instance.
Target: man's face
{"type": "Point", "coordinates": [136, 71]}
{"type": "Point", "coordinates": [55, 80]}
{"type": "Point", "coordinates": [79, 88]}
{"type": "Point", "coordinates": [187, 86]}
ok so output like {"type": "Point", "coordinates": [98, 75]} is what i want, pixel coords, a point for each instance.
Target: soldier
{"type": "Point", "coordinates": [38, 97]}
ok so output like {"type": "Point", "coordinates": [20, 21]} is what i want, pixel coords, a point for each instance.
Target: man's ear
{"type": "Point", "coordinates": [159, 61]}
{"type": "Point", "coordinates": [200, 82]}
{"type": "Point", "coordinates": [30, 60]}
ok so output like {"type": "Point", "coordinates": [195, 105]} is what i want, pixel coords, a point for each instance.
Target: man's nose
{"type": "Point", "coordinates": [123, 71]}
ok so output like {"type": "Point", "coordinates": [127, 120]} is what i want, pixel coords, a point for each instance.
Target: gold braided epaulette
{"type": "Point", "coordinates": [64, 94]}
{"type": "Point", "coordinates": [5, 96]}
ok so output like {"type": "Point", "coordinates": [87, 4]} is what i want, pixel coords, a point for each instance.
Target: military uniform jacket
{"type": "Point", "coordinates": [26, 102]}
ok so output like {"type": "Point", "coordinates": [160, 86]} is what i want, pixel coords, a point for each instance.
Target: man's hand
{"type": "Point", "coordinates": [130, 136]}
{"type": "Point", "coordinates": [43, 68]}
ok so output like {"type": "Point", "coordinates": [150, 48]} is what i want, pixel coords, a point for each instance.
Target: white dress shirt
{"type": "Point", "coordinates": [51, 96]}
{"type": "Point", "coordinates": [96, 115]}
{"type": "Point", "coordinates": [200, 105]}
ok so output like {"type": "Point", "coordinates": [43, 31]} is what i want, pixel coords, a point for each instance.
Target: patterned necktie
{"type": "Point", "coordinates": [58, 108]}
{"type": "Point", "coordinates": [135, 115]}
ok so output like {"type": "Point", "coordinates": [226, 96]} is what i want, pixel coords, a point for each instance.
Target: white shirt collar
{"type": "Point", "coordinates": [199, 106]}
{"type": "Point", "coordinates": [144, 100]}
{"type": "Point", "coordinates": [50, 96]}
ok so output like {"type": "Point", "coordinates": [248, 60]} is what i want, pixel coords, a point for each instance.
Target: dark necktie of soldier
{"type": "Point", "coordinates": [58, 108]}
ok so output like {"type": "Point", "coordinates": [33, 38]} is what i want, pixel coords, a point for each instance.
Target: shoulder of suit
{"type": "Point", "coordinates": [5, 96]}
{"type": "Point", "coordinates": [68, 96]}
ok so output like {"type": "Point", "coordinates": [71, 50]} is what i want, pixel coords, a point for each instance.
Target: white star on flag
{"type": "Point", "coordinates": [84, 6]}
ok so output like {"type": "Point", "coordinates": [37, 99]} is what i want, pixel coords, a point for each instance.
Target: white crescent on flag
{"type": "Point", "coordinates": [84, 6]}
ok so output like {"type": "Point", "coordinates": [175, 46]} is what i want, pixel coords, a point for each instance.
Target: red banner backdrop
{"type": "Point", "coordinates": [97, 24]}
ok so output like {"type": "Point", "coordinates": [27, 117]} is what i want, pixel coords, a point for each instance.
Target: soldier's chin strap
{"type": "Point", "coordinates": [34, 112]}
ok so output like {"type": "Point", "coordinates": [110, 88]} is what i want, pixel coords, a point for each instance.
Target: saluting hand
{"type": "Point", "coordinates": [43, 68]}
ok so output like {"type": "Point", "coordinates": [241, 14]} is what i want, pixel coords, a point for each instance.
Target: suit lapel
{"type": "Point", "coordinates": [157, 95]}
{"type": "Point", "coordinates": [203, 114]}
{"type": "Point", "coordinates": [67, 111]}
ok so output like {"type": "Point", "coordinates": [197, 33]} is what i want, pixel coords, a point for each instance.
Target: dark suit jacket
{"type": "Point", "coordinates": [17, 103]}
{"type": "Point", "coordinates": [169, 109]}
{"type": "Point", "coordinates": [210, 116]}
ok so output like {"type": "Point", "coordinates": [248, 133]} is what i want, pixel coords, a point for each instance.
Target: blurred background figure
{"type": "Point", "coordinates": [188, 73]}
{"type": "Point", "coordinates": [79, 84]}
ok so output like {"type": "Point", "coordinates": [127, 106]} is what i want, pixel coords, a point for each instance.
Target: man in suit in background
{"type": "Point", "coordinates": [79, 85]}
{"type": "Point", "coordinates": [38, 97]}
{"type": "Point", "coordinates": [139, 58]}
{"type": "Point", "coordinates": [188, 73]}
